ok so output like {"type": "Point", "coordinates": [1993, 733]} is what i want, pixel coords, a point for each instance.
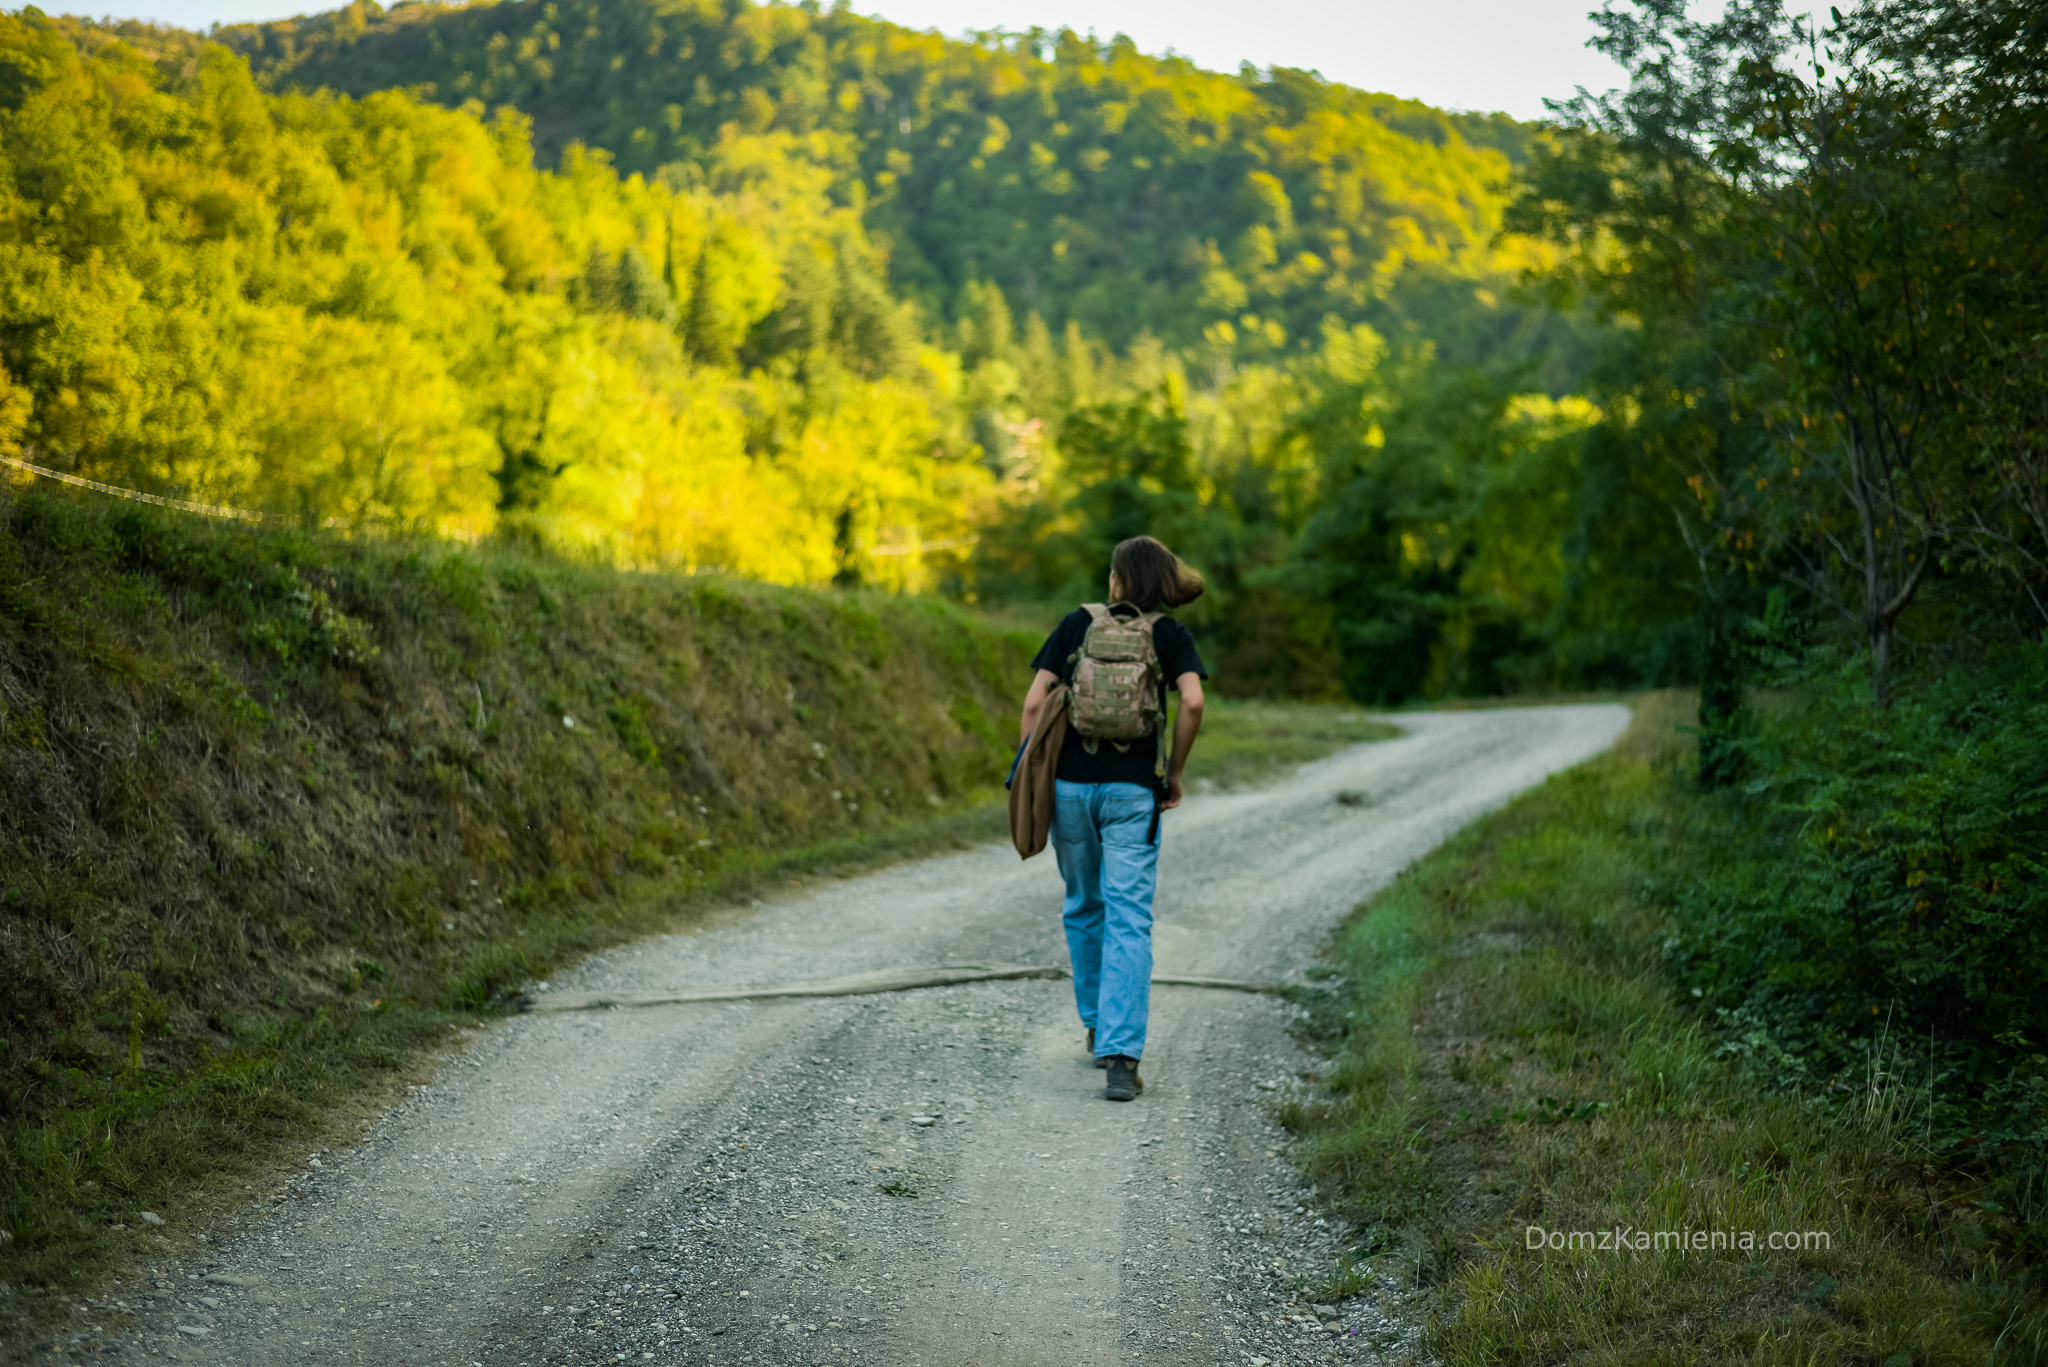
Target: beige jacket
{"type": "Point", "coordinates": [1031, 791]}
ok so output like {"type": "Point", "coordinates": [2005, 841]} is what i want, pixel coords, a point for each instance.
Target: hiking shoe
{"type": "Point", "coordinates": [1098, 1061]}
{"type": "Point", "coordinates": [1124, 1082]}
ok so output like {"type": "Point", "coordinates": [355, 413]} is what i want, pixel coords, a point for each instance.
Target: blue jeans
{"type": "Point", "coordinates": [1099, 835]}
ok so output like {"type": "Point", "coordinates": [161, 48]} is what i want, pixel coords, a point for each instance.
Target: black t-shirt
{"type": "Point", "coordinates": [1133, 763]}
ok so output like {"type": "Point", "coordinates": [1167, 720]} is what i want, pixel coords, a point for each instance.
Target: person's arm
{"type": "Point", "coordinates": [1185, 727]}
{"type": "Point", "coordinates": [1034, 703]}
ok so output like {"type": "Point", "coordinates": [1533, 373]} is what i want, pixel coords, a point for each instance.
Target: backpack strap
{"type": "Point", "coordinates": [1163, 751]}
{"type": "Point", "coordinates": [1097, 612]}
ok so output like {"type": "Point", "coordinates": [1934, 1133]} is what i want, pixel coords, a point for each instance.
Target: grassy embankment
{"type": "Point", "coordinates": [1511, 1052]}
{"type": "Point", "coordinates": [276, 811]}
{"type": "Point", "coordinates": [279, 812]}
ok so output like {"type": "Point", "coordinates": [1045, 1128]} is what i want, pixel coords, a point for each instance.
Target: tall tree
{"type": "Point", "coordinates": [1814, 245]}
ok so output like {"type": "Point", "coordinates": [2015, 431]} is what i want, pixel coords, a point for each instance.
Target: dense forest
{"type": "Point", "coordinates": [1441, 403]}
{"type": "Point", "coordinates": [1090, 183]}
{"type": "Point", "coordinates": [376, 315]}
{"type": "Point", "coordinates": [778, 356]}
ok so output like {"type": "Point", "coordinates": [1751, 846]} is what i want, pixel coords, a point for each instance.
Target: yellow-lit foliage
{"type": "Point", "coordinates": [1096, 184]}
{"type": "Point", "coordinates": [375, 314]}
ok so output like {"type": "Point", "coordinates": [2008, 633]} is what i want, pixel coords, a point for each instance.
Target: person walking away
{"type": "Point", "coordinates": [1118, 769]}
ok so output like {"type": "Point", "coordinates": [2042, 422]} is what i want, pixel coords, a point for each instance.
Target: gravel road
{"type": "Point", "coordinates": [923, 1177]}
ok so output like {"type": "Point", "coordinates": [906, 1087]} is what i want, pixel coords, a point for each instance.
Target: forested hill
{"type": "Point", "coordinates": [1095, 184]}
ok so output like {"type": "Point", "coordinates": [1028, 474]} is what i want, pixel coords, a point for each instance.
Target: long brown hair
{"type": "Point", "coordinates": [1152, 577]}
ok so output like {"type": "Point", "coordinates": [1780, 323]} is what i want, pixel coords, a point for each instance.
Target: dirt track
{"type": "Point", "coordinates": [927, 1177]}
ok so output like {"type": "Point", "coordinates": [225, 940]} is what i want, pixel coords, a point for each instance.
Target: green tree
{"type": "Point", "coordinates": [1135, 468]}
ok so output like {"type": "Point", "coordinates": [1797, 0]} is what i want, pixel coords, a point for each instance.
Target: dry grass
{"type": "Point", "coordinates": [1514, 1057]}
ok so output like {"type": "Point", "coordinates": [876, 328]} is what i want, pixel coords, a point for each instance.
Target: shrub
{"type": "Point", "coordinates": [1892, 903]}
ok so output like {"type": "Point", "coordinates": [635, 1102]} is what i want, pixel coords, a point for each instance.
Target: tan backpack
{"type": "Point", "coordinates": [1116, 694]}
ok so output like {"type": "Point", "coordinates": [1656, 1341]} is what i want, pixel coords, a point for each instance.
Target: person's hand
{"type": "Point", "coordinates": [1172, 794]}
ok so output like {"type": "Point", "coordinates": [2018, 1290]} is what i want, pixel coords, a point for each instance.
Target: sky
{"type": "Point", "coordinates": [1457, 54]}
{"type": "Point", "coordinates": [1482, 55]}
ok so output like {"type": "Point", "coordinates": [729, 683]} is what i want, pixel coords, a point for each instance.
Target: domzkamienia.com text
{"type": "Point", "coordinates": [1629, 1239]}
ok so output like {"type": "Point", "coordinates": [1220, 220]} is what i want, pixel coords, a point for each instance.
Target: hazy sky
{"type": "Point", "coordinates": [1460, 54]}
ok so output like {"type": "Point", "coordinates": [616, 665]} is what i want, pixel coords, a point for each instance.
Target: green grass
{"type": "Point", "coordinates": [1509, 1052]}
{"type": "Point", "coordinates": [1247, 743]}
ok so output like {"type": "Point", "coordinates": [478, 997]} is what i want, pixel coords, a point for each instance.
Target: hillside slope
{"type": "Point", "coordinates": [1090, 182]}
{"type": "Point", "coordinates": [258, 789]}
{"type": "Point", "coordinates": [376, 314]}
